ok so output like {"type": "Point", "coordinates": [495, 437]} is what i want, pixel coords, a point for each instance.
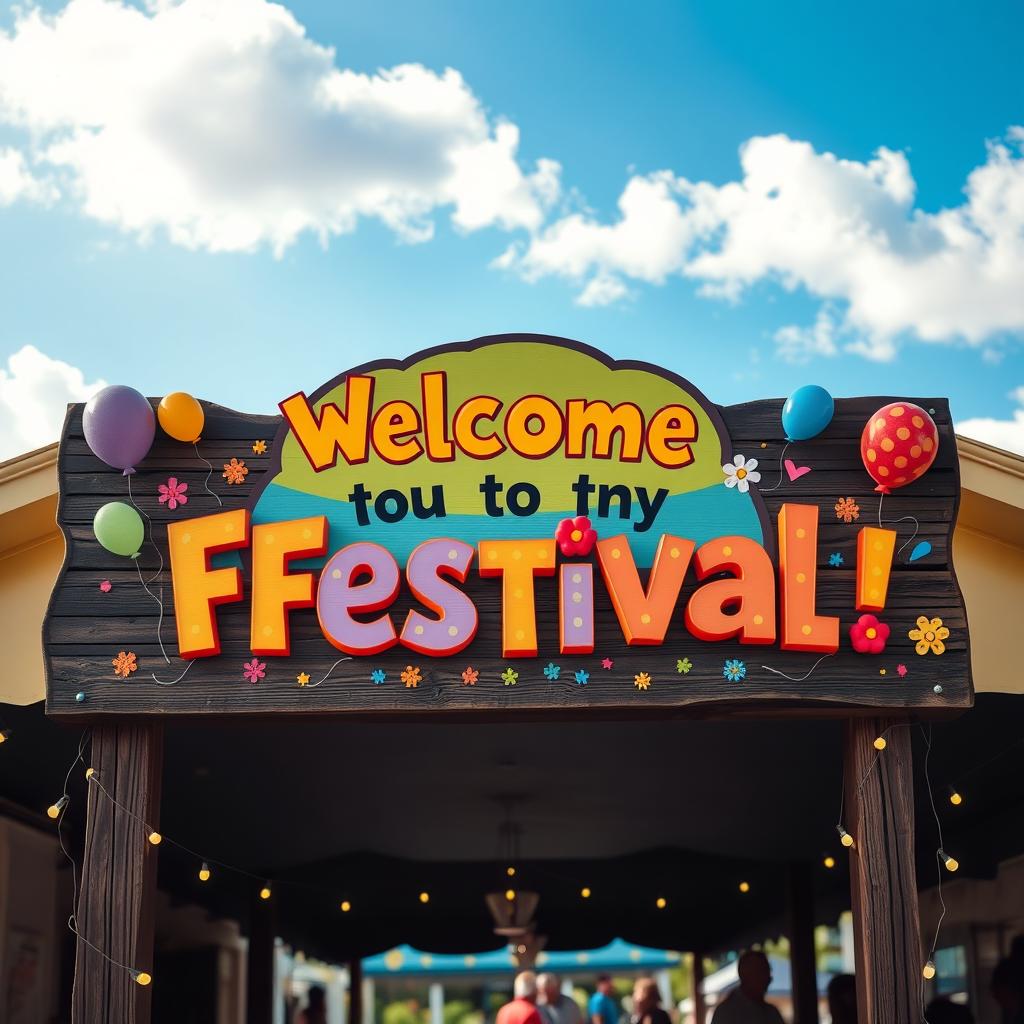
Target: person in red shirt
{"type": "Point", "coordinates": [523, 1008]}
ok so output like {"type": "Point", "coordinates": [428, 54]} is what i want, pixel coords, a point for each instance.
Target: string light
{"type": "Point", "coordinates": [510, 871]}
{"type": "Point", "coordinates": [585, 892]}
{"type": "Point", "coordinates": [928, 971]}
{"type": "Point", "coordinates": [879, 743]}
{"type": "Point", "coordinates": [204, 872]}
{"type": "Point", "coordinates": [424, 897]}
{"type": "Point", "coordinates": [955, 798]}
{"type": "Point", "coordinates": [265, 892]}
{"type": "Point", "coordinates": [951, 862]}
{"type": "Point", "coordinates": [53, 811]}
{"type": "Point", "coordinates": [89, 773]}
{"type": "Point", "coordinates": [661, 903]}
{"type": "Point", "coordinates": [5, 735]}
{"type": "Point", "coordinates": [155, 838]}
{"type": "Point", "coordinates": [141, 978]}
{"type": "Point", "coordinates": [844, 837]}
{"type": "Point", "coordinates": [744, 887]}
{"type": "Point", "coordinates": [510, 895]}
{"type": "Point", "coordinates": [345, 906]}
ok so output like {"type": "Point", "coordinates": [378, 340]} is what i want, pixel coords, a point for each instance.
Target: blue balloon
{"type": "Point", "coordinates": [807, 412]}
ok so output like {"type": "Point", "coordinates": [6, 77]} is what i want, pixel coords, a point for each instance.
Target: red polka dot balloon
{"type": "Point", "coordinates": [898, 445]}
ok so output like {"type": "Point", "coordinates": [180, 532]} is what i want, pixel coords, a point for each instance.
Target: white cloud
{"type": "Point", "coordinates": [798, 344]}
{"type": "Point", "coordinates": [34, 393]}
{"type": "Point", "coordinates": [1006, 434]}
{"type": "Point", "coordinates": [847, 232]}
{"type": "Point", "coordinates": [18, 182]}
{"type": "Point", "coordinates": [222, 123]}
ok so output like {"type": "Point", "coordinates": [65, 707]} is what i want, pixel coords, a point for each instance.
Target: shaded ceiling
{"type": "Point", "coordinates": [375, 813]}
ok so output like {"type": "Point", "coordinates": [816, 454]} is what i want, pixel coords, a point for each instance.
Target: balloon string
{"type": "Point", "coordinates": [893, 522]}
{"type": "Point", "coordinates": [156, 547]}
{"type": "Point", "coordinates": [782, 470]}
{"type": "Point", "coordinates": [310, 686]}
{"type": "Point", "coordinates": [206, 483]}
{"type": "Point", "coordinates": [171, 682]}
{"type": "Point", "coordinates": [800, 679]}
{"type": "Point", "coordinates": [160, 605]}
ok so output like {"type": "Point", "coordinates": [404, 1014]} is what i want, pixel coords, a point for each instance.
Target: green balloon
{"type": "Point", "coordinates": [119, 528]}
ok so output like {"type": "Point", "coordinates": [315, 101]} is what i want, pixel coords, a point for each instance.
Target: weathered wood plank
{"type": "Point", "coordinates": [118, 882]}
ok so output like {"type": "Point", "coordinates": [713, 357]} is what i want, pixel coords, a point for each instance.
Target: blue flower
{"type": "Point", "coordinates": [377, 676]}
{"type": "Point", "coordinates": [835, 559]}
{"type": "Point", "coordinates": [735, 671]}
{"type": "Point", "coordinates": [551, 670]}
{"type": "Point", "coordinates": [582, 677]}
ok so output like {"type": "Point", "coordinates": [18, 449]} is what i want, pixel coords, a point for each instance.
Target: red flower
{"type": "Point", "coordinates": [868, 635]}
{"type": "Point", "coordinates": [576, 536]}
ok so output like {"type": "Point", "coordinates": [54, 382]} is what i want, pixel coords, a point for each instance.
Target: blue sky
{"type": "Point", "coordinates": [147, 223]}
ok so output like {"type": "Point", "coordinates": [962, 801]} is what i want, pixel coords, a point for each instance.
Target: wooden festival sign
{"type": "Point", "coordinates": [515, 524]}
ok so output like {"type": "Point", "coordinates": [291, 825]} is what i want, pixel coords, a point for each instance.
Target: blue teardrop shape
{"type": "Point", "coordinates": [921, 548]}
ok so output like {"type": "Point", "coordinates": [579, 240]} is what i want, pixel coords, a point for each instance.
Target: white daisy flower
{"type": "Point", "coordinates": [741, 473]}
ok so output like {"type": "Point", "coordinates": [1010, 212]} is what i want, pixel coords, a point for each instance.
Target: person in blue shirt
{"type": "Point", "coordinates": [602, 1008]}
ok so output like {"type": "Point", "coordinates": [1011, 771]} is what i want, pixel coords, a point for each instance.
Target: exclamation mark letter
{"type": "Point", "coordinates": [875, 549]}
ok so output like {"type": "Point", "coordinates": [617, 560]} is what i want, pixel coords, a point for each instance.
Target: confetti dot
{"type": "Point", "coordinates": [418, 631]}
{"type": "Point", "coordinates": [452, 554]}
{"type": "Point", "coordinates": [577, 597]}
{"type": "Point", "coordinates": [645, 618]}
{"type": "Point", "coordinates": [518, 592]}
{"type": "Point", "coordinates": [758, 619]}
{"type": "Point", "coordinates": [492, 555]}
{"type": "Point", "coordinates": [674, 552]}
{"type": "Point", "coordinates": [801, 577]}
{"type": "Point", "coordinates": [336, 574]}
{"type": "Point", "coordinates": [801, 532]}
{"type": "Point", "coordinates": [764, 444]}
{"type": "Point", "coordinates": [806, 630]}
{"type": "Point", "coordinates": [453, 630]}
{"type": "Point", "coordinates": [520, 634]}
{"type": "Point", "coordinates": [616, 553]}
{"type": "Point", "coordinates": [936, 688]}
{"type": "Point", "coordinates": [267, 630]}
{"type": "Point", "coordinates": [727, 551]}
{"type": "Point", "coordinates": [577, 622]}
{"type": "Point", "coordinates": [577, 578]}
{"type": "Point", "coordinates": [185, 538]}
{"type": "Point", "coordinates": [195, 629]}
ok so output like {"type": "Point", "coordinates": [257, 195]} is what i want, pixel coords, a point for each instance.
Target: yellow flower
{"type": "Point", "coordinates": [259, 447]}
{"type": "Point", "coordinates": [302, 678]}
{"type": "Point", "coordinates": [642, 681]}
{"type": "Point", "coordinates": [929, 635]}
{"type": "Point", "coordinates": [411, 676]}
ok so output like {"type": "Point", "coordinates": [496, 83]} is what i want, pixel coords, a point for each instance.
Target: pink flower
{"type": "Point", "coordinates": [576, 536]}
{"type": "Point", "coordinates": [868, 635]}
{"type": "Point", "coordinates": [173, 493]}
{"type": "Point", "coordinates": [901, 670]}
{"type": "Point", "coordinates": [105, 586]}
{"type": "Point", "coordinates": [254, 670]}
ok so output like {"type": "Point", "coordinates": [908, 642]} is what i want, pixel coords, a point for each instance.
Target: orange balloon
{"type": "Point", "coordinates": [181, 416]}
{"type": "Point", "coordinates": [898, 445]}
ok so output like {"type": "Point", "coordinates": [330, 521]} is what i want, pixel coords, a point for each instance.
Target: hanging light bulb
{"type": "Point", "coordinates": [510, 894]}
{"type": "Point", "coordinates": [744, 887]}
{"type": "Point", "coordinates": [89, 773]}
{"type": "Point", "coordinates": [265, 892]}
{"type": "Point", "coordinates": [879, 743]}
{"type": "Point", "coordinates": [951, 862]}
{"type": "Point", "coordinates": [844, 837]}
{"type": "Point", "coordinates": [661, 903]}
{"type": "Point", "coordinates": [5, 735]}
{"type": "Point", "coordinates": [141, 978]}
{"type": "Point", "coordinates": [510, 871]}
{"type": "Point", "coordinates": [424, 897]}
{"type": "Point", "coordinates": [54, 810]}
{"type": "Point", "coordinates": [585, 892]}
{"type": "Point", "coordinates": [345, 906]}
{"type": "Point", "coordinates": [928, 971]}
{"type": "Point", "coordinates": [955, 797]}
{"type": "Point", "coordinates": [829, 861]}
{"type": "Point", "coordinates": [204, 872]}
{"type": "Point", "coordinates": [155, 838]}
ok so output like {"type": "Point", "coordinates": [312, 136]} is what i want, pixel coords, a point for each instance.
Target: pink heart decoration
{"type": "Point", "coordinates": [793, 471]}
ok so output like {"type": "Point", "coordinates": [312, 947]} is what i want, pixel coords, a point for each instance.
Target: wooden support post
{"type": "Point", "coordinates": [261, 970]}
{"type": "Point", "coordinates": [117, 889]}
{"type": "Point", "coordinates": [802, 960]}
{"type": "Point", "coordinates": [700, 1012]}
{"type": "Point", "coordinates": [879, 814]}
{"type": "Point", "coordinates": [355, 991]}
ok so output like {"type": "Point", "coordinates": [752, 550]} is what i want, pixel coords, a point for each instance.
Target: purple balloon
{"type": "Point", "coordinates": [119, 426]}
